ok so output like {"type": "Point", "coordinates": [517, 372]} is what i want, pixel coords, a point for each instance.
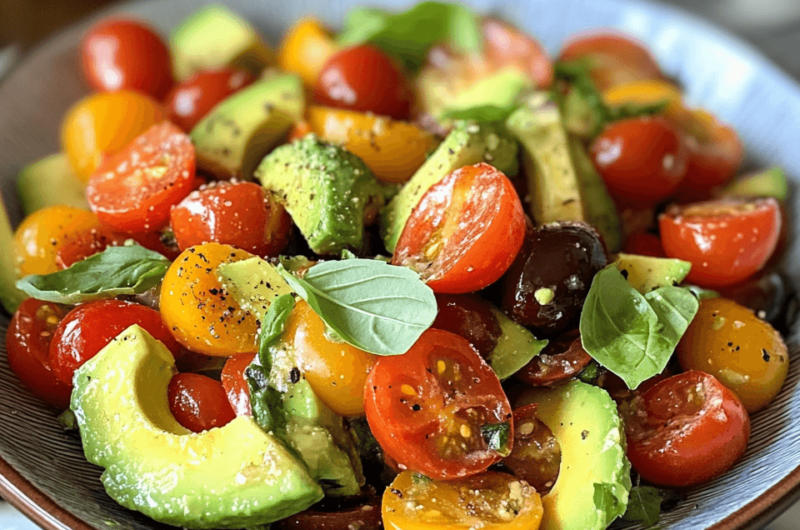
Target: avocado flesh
{"type": "Point", "coordinates": [646, 273]}
{"type": "Point", "coordinates": [10, 296]}
{"type": "Point", "coordinates": [769, 183]}
{"type": "Point", "coordinates": [467, 144]}
{"type": "Point", "coordinates": [587, 425]}
{"type": "Point", "coordinates": [233, 137]}
{"type": "Point", "coordinates": [253, 283]}
{"type": "Point", "coordinates": [515, 348]}
{"type": "Point", "coordinates": [48, 182]}
{"type": "Point", "coordinates": [229, 477]}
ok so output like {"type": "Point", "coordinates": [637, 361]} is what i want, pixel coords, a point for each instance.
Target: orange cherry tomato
{"type": "Point", "coordinates": [198, 402]}
{"type": "Point", "coordinates": [305, 49]}
{"type": "Point", "coordinates": [644, 92]}
{"type": "Point", "coordinates": [190, 101]}
{"type": "Point", "coordinates": [235, 384]}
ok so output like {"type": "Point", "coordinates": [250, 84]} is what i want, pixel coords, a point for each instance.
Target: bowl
{"type": "Point", "coordinates": [42, 468]}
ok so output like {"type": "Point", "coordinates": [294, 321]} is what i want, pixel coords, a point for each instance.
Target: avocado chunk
{"type": "Point", "coordinates": [48, 182]}
{"type": "Point", "coordinates": [253, 283]}
{"type": "Point", "coordinates": [646, 273]}
{"type": "Point", "coordinates": [329, 192]}
{"type": "Point", "coordinates": [769, 183]}
{"type": "Point", "coordinates": [515, 348]}
{"type": "Point", "coordinates": [10, 296]}
{"type": "Point", "coordinates": [215, 37]}
{"type": "Point", "coordinates": [467, 144]}
{"type": "Point", "coordinates": [229, 477]}
{"type": "Point", "coordinates": [232, 139]}
{"type": "Point", "coordinates": [587, 425]}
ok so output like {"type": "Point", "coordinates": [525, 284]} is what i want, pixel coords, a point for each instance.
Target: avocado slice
{"type": "Point", "coordinates": [231, 139]}
{"type": "Point", "coordinates": [646, 273]}
{"type": "Point", "coordinates": [10, 296]}
{"type": "Point", "coordinates": [215, 37]}
{"type": "Point", "coordinates": [253, 283]}
{"type": "Point", "coordinates": [229, 477]}
{"type": "Point", "coordinates": [467, 144]}
{"type": "Point", "coordinates": [515, 348]}
{"type": "Point", "coordinates": [48, 182]}
{"type": "Point", "coordinates": [769, 183]}
{"type": "Point", "coordinates": [587, 425]}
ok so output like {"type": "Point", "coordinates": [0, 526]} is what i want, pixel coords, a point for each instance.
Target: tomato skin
{"type": "Point", "coordinates": [134, 190]}
{"type": "Point", "coordinates": [88, 328]}
{"type": "Point", "coordinates": [726, 241]}
{"type": "Point", "coordinates": [470, 317]}
{"type": "Point", "coordinates": [644, 244]}
{"type": "Point", "coordinates": [28, 342]}
{"type": "Point", "coordinates": [686, 430]}
{"type": "Point", "coordinates": [123, 54]}
{"type": "Point", "coordinates": [305, 48]}
{"type": "Point", "coordinates": [536, 457]}
{"type": "Point", "coordinates": [562, 358]}
{"type": "Point", "coordinates": [80, 245]}
{"type": "Point", "coordinates": [198, 402]}
{"type": "Point", "coordinates": [235, 384]}
{"type": "Point", "coordinates": [365, 79]}
{"type": "Point", "coordinates": [458, 240]}
{"type": "Point", "coordinates": [190, 101]}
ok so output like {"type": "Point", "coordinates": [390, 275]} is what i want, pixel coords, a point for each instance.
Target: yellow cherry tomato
{"type": "Point", "coordinates": [40, 236]}
{"type": "Point", "coordinates": [745, 353]}
{"type": "Point", "coordinates": [100, 125]}
{"type": "Point", "coordinates": [489, 501]}
{"type": "Point", "coordinates": [393, 150]}
{"type": "Point", "coordinates": [644, 92]}
{"type": "Point", "coordinates": [199, 312]}
{"type": "Point", "coordinates": [335, 370]}
{"type": "Point", "coordinates": [305, 49]}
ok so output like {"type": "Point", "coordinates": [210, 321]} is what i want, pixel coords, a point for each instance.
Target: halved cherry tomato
{"type": "Point", "coordinates": [101, 125]}
{"type": "Point", "coordinates": [190, 101]}
{"type": "Point", "coordinates": [134, 190]}
{"type": "Point", "coordinates": [470, 317]}
{"type": "Point", "coordinates": [88, 328]}
{"type": "Point", "coordinates": [198, 402]}
{"type": "Point", "coordinates": [364, 79]}
{"type": "Point", "coordinates": [82, 244]}
{"type": "Point", "coordinates": [536, 457]}
{"type": "Point", "coordinates": [644, 244]}
{"type": "Point", "coordinates": [362, 512]}
{"type": "Point", "coordinates": [429, 407]}
{"type": "Point", "coordinates": [235, 385]}
{"type": "Point", "coordinates": [28, 344]}
{"type": "Point", "coordinates": [465, 232]}
{"type": "Point", "coordinates": [121, 54]}
{"type": "Point", "coordinates": [562, 358]}
{"type": "Point", "coordinates": [305, 48]}
{"type": "Point", "coordinates": [240, 214]}
{"type": "Point", "coordinates": [644, 92]}
{"type": "Point", "coordinates": [642, 160]}
{"type": "Point", "coordinates": [685, 430]}
{"type": "Point", "coordinates": [505, 45]}
{"type": "Point", "coordinates": [726, 240]}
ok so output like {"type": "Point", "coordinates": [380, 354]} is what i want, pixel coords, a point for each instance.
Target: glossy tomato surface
{"type": "Point", "coordinates": [536, 457]}
{"type": "Point", "coordinates": [235, 385]}
{"type": "Point", "coordinates": [198, 402]}
{"type": "Point", "coordinates": [190, 101]}
{"type": "Point", "coordinates": [562, 358]}
{"type": "Point", "coordinates": [644, 244]}
{"type": "Point", "coordinates": [470, 317]}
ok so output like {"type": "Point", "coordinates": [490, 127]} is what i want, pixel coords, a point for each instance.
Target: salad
{"type": "Point", "coordinates": [414, 275]}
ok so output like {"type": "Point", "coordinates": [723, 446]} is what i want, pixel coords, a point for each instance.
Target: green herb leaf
{"type": "Point", "coordinates": [68, 420]}
{"type": "Point", "coordinates": [631, 334]}
{"type": "Point", "coordinates": [644, 505]}
{"type": "Point", "coordinates": [481, 114]}
{"type": "Point", "coordinates": [374, 306]}
{"type": "Point", "coordinates": [496, 436]}
{"type": "Point", "coordinates": [113, 272]}
{"type": "Point", "coordinates": [610, 500]}
{"type": "Point", "coordinates": [347, 254]}
{"type": "Point", "coordinates": [590, 373]}
{"type": "Point", "coordinates": [273, 322]}
{"type": "Point", "coordinates": [702, 293]}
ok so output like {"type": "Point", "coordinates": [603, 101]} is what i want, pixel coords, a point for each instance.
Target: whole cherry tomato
{"type": "Point", "coordinates": [190, 101]}
{"type": "Point", "coordinates": [305, 48]}
{"type": "Point", "coordinates": [235, 384]}
{"type": "Point", "coordinates": [198, 402]}
{"type": "Point", "coordinates": [644, 244]}
{"type": "Point", "coordinates": [121, 54]}
{"type": "Point", "coordinates": [726, 240]}
{"type": "Point", "coordinates": [470, 317]}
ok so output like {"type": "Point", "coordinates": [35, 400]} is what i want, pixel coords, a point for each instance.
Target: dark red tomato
{"type": "Point", "coordinates": [190, 101]}
{"type": "Point", "coordinates": [726, 241]}
{"type": "Point", "coordinates": [427, 408]}
{"type": "Point", "coordinates": [28, 343]}
{"type": "Point", "coordinates": [126, 55]}
{"type": "Point", "coordinates": [364, 79]}
{"type": "Point", "coordinates": [134, 190]}
{"type": "Point", "coordinates": [562, 358]}
{"type": "Point", "coordinates": [536, 457]}
{"type": "Point", "coordinates": [88, 328]}
{"type": "Point", "coordinates": [198, 402]}
{"type": "Point", "coordinates": [644, 244]}
{"type": "Point", "coordinates": [470, 317]}
{"type": "Point", "coordinates": [241, 214]}
{"type": "Point", "coordinates": [465, 232]}
{"type": "Point", "coordinates": [80, 245]}
{"type": "Point", "coordinates": [161, 242]}
{"type": "Point", "coordinates": [686, 430]}
{"type": "Point", "coordinates": [337, 513]}
{"type": "Point", "coordinates": [235, 385]}
{"type": "Point", "coordinates": [620, 392]}
{"type": "Point", "coordinates": [642, 160]}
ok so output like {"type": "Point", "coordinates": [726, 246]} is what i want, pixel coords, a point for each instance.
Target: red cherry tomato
{"type": "Point", "coordinates": [88, 328]}
{"type": "Point", "coordinates": [235, 385]}
{"type": "Point", "coordinates": [465, 232]}
{"type": "Point", "coordinates": [726, 241]}
{"type": "Point", "coordinates": [644, 244]}
{"type": "Point", "coordinates": [194, 98]}
{"type": "Point", "coordinates": [126, 55]}
{"type": "Point", "coordinates": [242, 214]}
{"type": "Point", "coordinates": [427, 407]}
{"type": "Point", "coordinates": [134, 190]}
{"type": "Point", "coordinates": [470, 317]}
{"type": "Point", "coordinates": [80, 245]}
{"type": "Point", "coordinates": [198, 402]}
{"type": "Point", "coordinates": [28, 343]}
{"type": "Point", "coordinates": [364, 79]}
{"type": "Point", "coordinates": [642, 160]}
{"type": "Point", "coordinates": [686, 430]}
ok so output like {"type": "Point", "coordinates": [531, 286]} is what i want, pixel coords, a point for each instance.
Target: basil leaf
{"type": "Point", "coordinates": [374, 306]}
{"type": "Point", "coordinates": [496, 436]}
{"type": "Point", "coordinates": [610, 500]}
{"type": "Point", "coordinates": [273, 322]}
{"type": "Point", "coordinates": [644, 505]}
{"type": "Point", "coordinates": [113, 272]}
{"type": "Point", "coordinates": [590, 374]}
{"type": "Point", "coordinates": [347, 254]}
{"type": "Point", "coordinates": [483, 113]}
{"type": "Point", "coordinates": [631, 334]}
{"type": "Point", "coordinates": [702, 293]}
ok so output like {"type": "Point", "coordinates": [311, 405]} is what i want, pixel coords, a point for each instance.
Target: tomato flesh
{"type": "Point", "coordinates": [562, 358]}
{"type": "Point", "coordinates": [536, 457]}
{"type": "Point", "coordinates": [198, 402]}
{"type": "Point", "coordinates": [470, 317]}
{"type": "Point", "coordinates": [235, 384]}
{"type": "Point", "coordinates": [190, 101]}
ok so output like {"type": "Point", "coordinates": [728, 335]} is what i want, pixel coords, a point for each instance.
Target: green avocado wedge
{"type": "Point", "coordinates": [10, 296]}
{"type": "Point", "coordinates": [48, 182]}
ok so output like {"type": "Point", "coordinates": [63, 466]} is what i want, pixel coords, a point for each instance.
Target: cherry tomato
{"type": "Point", "coordinates": [362, 512]}
{"type": "Point", "coordinates": [235, 385]}
{"type": "Point", "coordinates": [536, 457]}
{"type": "Point", "coordinates": [28, 343]}
{"type": "Point", "coordinates": [364, 79]}
{"type": "Point", "coordinates": [428, 407]}
{"type": "Point", "coordinates": [101, 125]}
{"type": "Point", "coordinates": [134, 190]}
{"type": "Point", "coordinates": [465, 232]}
{"type": "Point", "coordinates": [562, 358]}
{"type": "Point", "coordinates": [298, 130]}
{"type": "Point", "coordinates": [505, 45]}
{"type": "Point", "coordinates": [190, 101]}
{"type": "Point", "coordinates": [198, 402]}
{"type": "Point", "coordinates": [470, 317]}
{"type": "Point", "coordinates": [82, 244]}
{"type": "Point", "coordinates": [242, 214]}
{"type": "Point", "coordinates": [770, 295]}
{"type": "Point", "coordinates": [645, 92]}
{"type": "Point", "coordinates": [88, 328]}
{"type": "Point", "coordinates": [123, 54]}
{"type": "Point", "coordinates": [305, 49]}
{"type": "Point", "coordinates": [642, 160]}
{"type": "Point", "coordinates": [726, 240]}
{"type": "Point", "coordinates": [644, 244]}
